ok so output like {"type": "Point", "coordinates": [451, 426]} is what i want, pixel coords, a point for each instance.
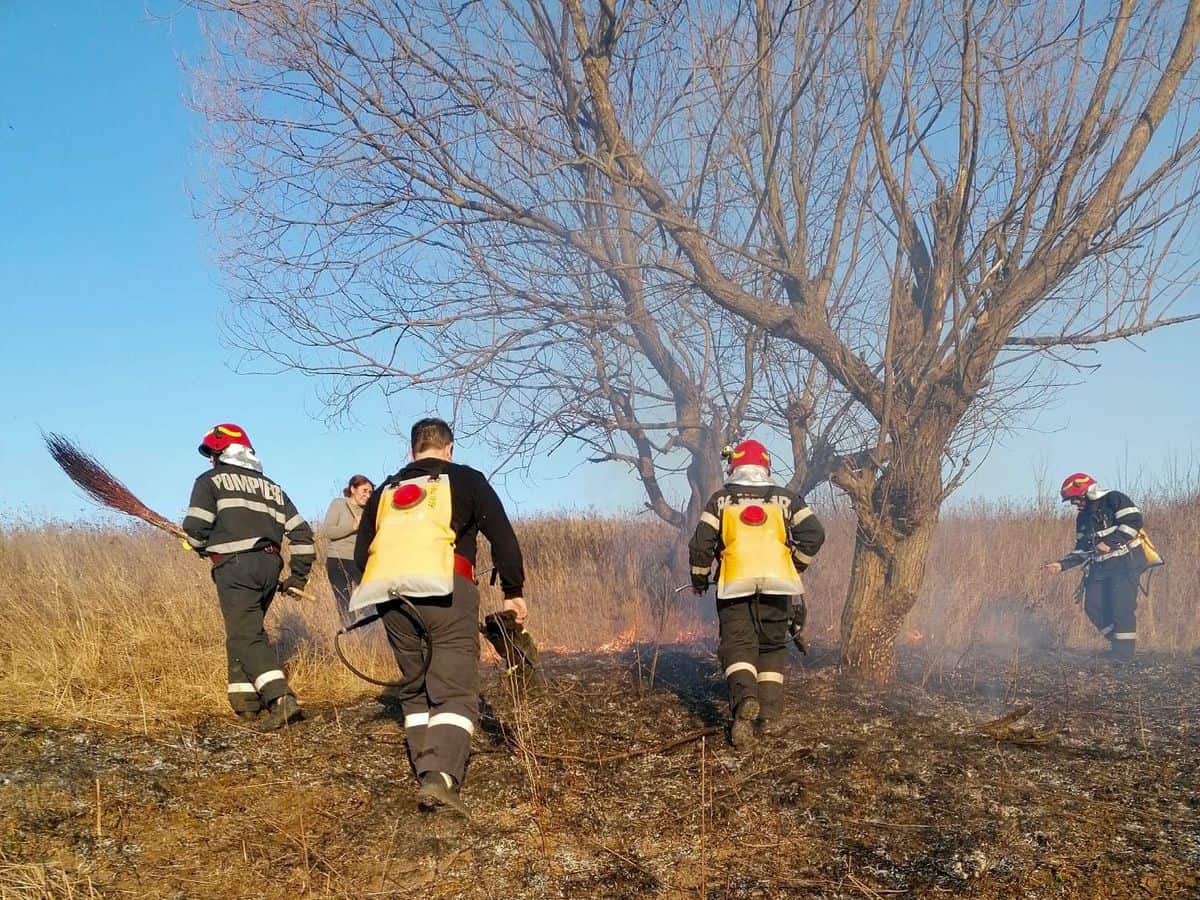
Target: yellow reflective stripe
{"type": "Point", "coordinates": [742, 667]}
{"type": "Point", "coordinates": [204, 515]}
{"type": "Point", "coordinates": [1121, 513]}
{"type": "Point", "coordinates": [293, 522]}
{"type": "Point", "coordinates": [771, 677]}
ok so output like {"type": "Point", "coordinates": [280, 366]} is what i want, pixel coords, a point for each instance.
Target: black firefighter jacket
{"type": "Point", "coordinates": [474, 507]}
{"type": "Point", "coordinates": [233, 510]}
{"type": "Point", "coordinates": [806, 534]}
{"type": "Point", "coordinates": [1112, 519]}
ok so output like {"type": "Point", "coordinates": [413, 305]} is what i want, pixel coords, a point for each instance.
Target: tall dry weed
{"type": "Point", "coordinates": [122, 626]}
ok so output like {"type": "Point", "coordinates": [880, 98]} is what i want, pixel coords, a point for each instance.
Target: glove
{"type": "Point", "coordinates": [699, 585]}
{"type": "Point", "coordinates": [292, 583]}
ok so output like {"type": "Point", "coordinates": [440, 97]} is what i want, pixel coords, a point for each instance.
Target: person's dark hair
{"type": "Point", "coordinates": [431, 434]}
{"type": "Point", "coordinates": [355, 481]}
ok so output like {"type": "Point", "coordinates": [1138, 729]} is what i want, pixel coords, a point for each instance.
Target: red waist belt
{"type": "Point", "coordinates": [464, 567]}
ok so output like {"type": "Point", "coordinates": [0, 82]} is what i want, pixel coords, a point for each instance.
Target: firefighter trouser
{"type": "Point", "coordinates": [246, 584]}
{"type": "Point", "coordinates": [1110, 602]}
{"type": "Point", "coordinates": [753, 649]}
{"type": "Point", "coordinates": [439, 721]}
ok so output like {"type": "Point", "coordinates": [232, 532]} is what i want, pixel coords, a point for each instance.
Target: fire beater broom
{"type": "Point", "coordinates": [108, 490]}
{"type": "Point", "coordinates": [102, 486]}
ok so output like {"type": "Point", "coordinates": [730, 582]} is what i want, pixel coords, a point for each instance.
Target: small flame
{"type": "Point", "coordinates": [623, 641]}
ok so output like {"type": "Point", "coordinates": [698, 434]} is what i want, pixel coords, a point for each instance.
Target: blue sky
{"type": "Point", "coordinates": [112, 304]}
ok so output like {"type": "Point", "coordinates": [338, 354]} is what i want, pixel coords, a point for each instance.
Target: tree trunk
{"type": "Point", "coordinates": [883, 588]}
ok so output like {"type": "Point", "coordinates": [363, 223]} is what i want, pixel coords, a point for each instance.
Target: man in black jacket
{"type": "Point", "coordinates": [238, 518]}
{"type": "Point", "coordinates": [1108, 544]}
{"type": "Point", "coordinates": [417, 540]}
{"type": "Point", "coordinates": [761, 537]}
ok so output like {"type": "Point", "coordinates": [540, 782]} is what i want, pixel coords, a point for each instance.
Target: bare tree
{"type": "Point", "coordinates": [388, 234]}
{"type": "Point", "coordinates": [937, 203]}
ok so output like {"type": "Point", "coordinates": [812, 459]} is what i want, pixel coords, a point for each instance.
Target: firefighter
{"type": "Point", "coordinates": [417, 540]}
{"type": "Point", "coordinates": [237, 519]}
{"type": "Point", "coordinates": [761, 538]}
{"type": "Point", "coordinates": [1108, 544]}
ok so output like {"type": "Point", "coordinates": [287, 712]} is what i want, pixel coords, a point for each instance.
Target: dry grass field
{"type": "Point", "coordinates": [122, 774]}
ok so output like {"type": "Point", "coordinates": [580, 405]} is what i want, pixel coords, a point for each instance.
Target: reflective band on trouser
{"type": "Point", "coordinates": [701, 570]}
{"type": "Point", "coordinates": [303, 550]}
{"type": "Point", "coordinates": [772, 677]}
{"type": "Point", "coordinates": [736, 667]}
{"type": "Point", "coordinates": [241, 687]}
{"type": "Point", "coordinates": [1125, 636]}
{"type": "Point", "coordinates": [454, 719]}
{"type": "Point", "coordinates": [198, 512]}
{"type": "Point", "coordinates": [267, 678]}
{"type": "Point", "coordinates": [416, 720]}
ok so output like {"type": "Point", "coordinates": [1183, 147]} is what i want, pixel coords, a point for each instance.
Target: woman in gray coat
{"type": "Point", "coordinates": [341, 528]}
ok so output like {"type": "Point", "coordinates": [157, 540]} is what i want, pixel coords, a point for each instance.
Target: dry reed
{"type": "Point", "coordinates": [121, 626]}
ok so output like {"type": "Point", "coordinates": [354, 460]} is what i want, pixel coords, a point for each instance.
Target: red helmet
{"type": "Point", "coordinates": [221, 437]}
{"type": "Point", "coordinates": [1076, 486]}
{"type": "Point", "coordinates": [747, 453]}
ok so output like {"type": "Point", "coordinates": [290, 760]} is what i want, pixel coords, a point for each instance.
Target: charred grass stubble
{"type": "Point", "coordinates": [111, 669]}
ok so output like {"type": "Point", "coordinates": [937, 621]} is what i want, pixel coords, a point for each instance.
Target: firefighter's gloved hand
{"type": "Point", "coordinates": [699, 585]}
{"type": "Point", "coordinates": [293, 583]}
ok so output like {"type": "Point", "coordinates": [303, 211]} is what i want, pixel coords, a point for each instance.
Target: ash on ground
{"type": "Point", "coordinates": [1061, 777]}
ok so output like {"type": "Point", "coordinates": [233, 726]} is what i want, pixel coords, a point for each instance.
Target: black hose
{"type": "Point", "coordinates": [408, 687]}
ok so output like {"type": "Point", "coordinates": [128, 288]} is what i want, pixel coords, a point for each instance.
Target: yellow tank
{"type": "Point", "coordinates": [413, 551]}
{"type": "Point", "coordinates": [755, 557]}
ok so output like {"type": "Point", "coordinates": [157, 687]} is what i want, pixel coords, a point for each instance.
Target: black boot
{"type": "Point", "coordinates": [438, 792]}
{"type": "Point", "coordinates": [741, 732]}
{"type": "Point", "coordinates": [770, 701]}
{"type": "Point", "coordinates": [283, 711]}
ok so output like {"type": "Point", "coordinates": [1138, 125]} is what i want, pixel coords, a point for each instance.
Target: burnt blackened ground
{"type": "Point", "coordinates": [868, 793]}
